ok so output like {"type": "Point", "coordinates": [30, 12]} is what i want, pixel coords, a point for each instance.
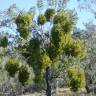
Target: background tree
{"type": "Point", "coordinates": [88, 5]}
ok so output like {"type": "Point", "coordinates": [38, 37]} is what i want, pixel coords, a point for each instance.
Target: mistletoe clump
{"type": "Point", "coordinates": [77, 78]}
{"type": "Point", "coordinates": [49, 14]}
{"type": "Point", "coordinates": [4, 42]}
{"type": "Point", "coordinates": [59, 18]}
{"type": "Point", "coordinates": [65, 22]}
{"type": "Point", "coordinates": [44, 60]}
{"type": "Point", "coordinates": [75, 48]}
{"type": "Point", "coordinates": [57, 36]}
{"type": "Point", "coordinates": [24, 74]}
{"type": "Point", "coordinates": [53, 52]}
{"type": "Point", "coordinates": [41, 20]}
{"type": "Point", "coordinates": [23, 22]}
{"type": "Point", "coordinates": [12, 67]}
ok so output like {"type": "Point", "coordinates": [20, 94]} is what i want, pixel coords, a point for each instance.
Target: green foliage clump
{"type": "Point", "coordinates": [34, 59]}
{"type": "Point", "coordinates": [59, 18]}
{"type": "Point", "coordinates": [33, 50]}
{"type": "Point", "coordinates": [24, 32]}
{"type": "Point", "coordinates": [4, 42]}
{"type": "Point", "coordinates": [23, 19]}
{"type": "Point", "coordinates": [12, 67]}
{"type": "Point", "coordinates": [55, 48]}
{"type": "Point", "coordinates": [58, 41]}
{"type": "Point", "coordinates": [57, 36]}
{"type": "Point", "coordinates": [23, 22]}
{"type": "Point", "coordinates": [75, 84]}
{"type": "Point", "coordinates": [75, 48]}
{"type": "Point", "coordinates": [34, 46]}
{"type": "Point", "coordinates": [49, 14]}
{"type": "Point", "coordinates": [41, 20]}
{"type": "Point", "coordinates": [77, 78]}
{"type": "Point", "coordinates": [64, 21]}
{"type": "Point", "coordinates": [53, 52]}
{"type": "Point", "coordinates": [24, 75]}
{"type": "Point", "coordinates": [44, 60]}
{"type": "Point", "coordinates": [67, 27]}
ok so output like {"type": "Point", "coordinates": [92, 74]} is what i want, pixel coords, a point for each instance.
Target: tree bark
{"type": "Point", "coordinates": [48, 91]}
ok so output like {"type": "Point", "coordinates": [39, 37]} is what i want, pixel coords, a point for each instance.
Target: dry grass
{"type": "Point", "coordinates": [62, 92]}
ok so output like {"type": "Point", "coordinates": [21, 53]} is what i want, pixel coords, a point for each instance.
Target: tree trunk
{"type": "Point", "coordinates": [48, 91]}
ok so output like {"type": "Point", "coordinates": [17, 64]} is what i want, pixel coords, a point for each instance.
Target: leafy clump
{"type": "Point", "coordinates": [24, 75]}
{"type": "Point", "coordinates": [41, 20]}
{"type": "Point", "coordinates": [77, 78]}
{"type": "Point", "coordinates": [23, 22]}
{"type": "Point", "coordinates": [53, 52]}
{"type": "Point", "coordinates": [65, 22]}
{"type": "Point", "coordinates": [75, 48]}
{"type": "Point", "coordinates": [44, 60]}
{"type": "Point", "coordinates": [12, 67]}
{"type": "Point", "coordinates": [75, 84]}
{"type": "Point", "coordinates": [57, 36]}
{"type": "Point", "coordinates": [49, 14]}
{"type": "Point", "coordinates": [59, 18]}
{"type": "Point", "coordinates": [4, 42]}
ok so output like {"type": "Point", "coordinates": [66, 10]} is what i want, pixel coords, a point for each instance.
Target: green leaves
{"type": "Point", "coordinates": [4, 42]}
{"type": "Point", "coordinates": [34, 46]}
{"type": "Point", "coordinates": [23, 19]}
{"type": "Point", "coordinates": [24, 74]}
{"type": "Point", "coordinates": [12, 67]}
{"type": "Point", "coordinates": [44, 60]}
{"type": "Point", "coordinates": [75, 48]}
{"type": "Point", "coordinates": [64, 20]}
{"type": "Point", "coordinates": [49, 13]}
{"type": "Point", "coordinates": [75, 84]}
{"type": "Point", "coordinates": [59, 18]}
{"type": "Point", "coordinates": [41, 54]}
{"type": "Point", "coordinates": [57, 36]}
{"type": "Point", "coordinates": [41, 20]}
{"type": "Point", "coordinates": [23, 22]}
{"type": "Point", "coordinates": [53, 52]}
{"type": "Point", "coordinates": [77, 78]}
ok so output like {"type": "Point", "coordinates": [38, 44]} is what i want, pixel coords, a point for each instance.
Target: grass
{"type": "Point", "coordinates": [63, 92]}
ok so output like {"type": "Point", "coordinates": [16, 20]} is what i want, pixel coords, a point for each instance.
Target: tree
{"type": "Point", "coordinates": [40, 55]}
{"type": "Point", "coordinates": [42, 58]}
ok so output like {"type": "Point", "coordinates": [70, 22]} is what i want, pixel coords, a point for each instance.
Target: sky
{"type": "Point", "coordinates": [84, 16]}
